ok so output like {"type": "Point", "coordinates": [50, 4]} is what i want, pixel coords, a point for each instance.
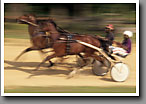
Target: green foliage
{"type": "Point", "coordinates": [15, 26]}
{"type": "Point", "coordinates": [89, 18]}
{"type": "Point", "coordinates": [73, 9]}
{"type": "Point", "coordinates": [15, 30]}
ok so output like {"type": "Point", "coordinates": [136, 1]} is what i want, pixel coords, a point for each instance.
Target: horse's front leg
{"type": "Point", "coordinates": [26, 50]}
{"type": "Point", "coordinates": [46, 59]}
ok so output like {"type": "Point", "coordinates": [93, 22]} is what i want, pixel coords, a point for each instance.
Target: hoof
{"type": "Point", "coordinates": [51, 64]}
{"type": "Point", "coordinates": [72, 74]}
{"type": "Point", "coordinates": [69, 76]}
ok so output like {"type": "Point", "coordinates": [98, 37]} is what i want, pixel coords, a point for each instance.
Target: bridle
{"type": "Point", "coordinates": [30, 23]}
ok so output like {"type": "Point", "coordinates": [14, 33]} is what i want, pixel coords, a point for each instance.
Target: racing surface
{"type": "Point", "coordinates": [19, 73]}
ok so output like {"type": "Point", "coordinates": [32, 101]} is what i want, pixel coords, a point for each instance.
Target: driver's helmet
{"type": "Point", "coordinates": [128, 33]}
{"type": "Point", "coordinates": [109, 26]}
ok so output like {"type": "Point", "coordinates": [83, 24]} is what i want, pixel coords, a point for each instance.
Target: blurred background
{"type": "Point", "coordinates": [77, 18]}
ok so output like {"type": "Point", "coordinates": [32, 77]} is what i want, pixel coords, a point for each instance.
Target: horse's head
{"type": "Point", "coordinates": [27, 19]}
{"type": "Point", "coordinates": [48, 25]}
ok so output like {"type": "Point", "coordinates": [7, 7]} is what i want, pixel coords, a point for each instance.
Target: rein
{"type": "Point", "coordinates": [30, 23]}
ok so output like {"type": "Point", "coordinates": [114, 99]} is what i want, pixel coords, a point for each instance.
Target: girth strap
{"type": "Point", "coordinates": [69, 40]}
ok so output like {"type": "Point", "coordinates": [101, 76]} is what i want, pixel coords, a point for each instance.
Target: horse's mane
{"type": "Point", "coordinates": [59, 29]}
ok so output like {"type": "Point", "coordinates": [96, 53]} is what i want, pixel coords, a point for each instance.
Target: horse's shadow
{"type": "Point", "coordinates": [20, 66]}
{"type": "Point", "coordinates": [107, 79]}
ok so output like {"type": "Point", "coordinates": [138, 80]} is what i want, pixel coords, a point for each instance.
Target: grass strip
{"type": "Point", "coordinates": [71, 89]}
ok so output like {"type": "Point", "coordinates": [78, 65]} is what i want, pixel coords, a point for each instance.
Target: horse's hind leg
{"type": "Point", "coordinates": [42, 54]}
{"type": "Point", "coordinates": [46, 59]}
{"type": "Point", "coordinates": [77, 70]}
{"type": "Point", "coordinates": [83, 61]}
{"type": "Point", "coordinates": [80, 56]}
{"type": "Point", "coordinates": [74, 72]}
{"type": "Point", "coordinates": [26, 50]}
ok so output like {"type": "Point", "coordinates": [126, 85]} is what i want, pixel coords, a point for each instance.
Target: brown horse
{"type": "Point", "coordinates": [38, 37]}
{"type": "Point", "coordinates": [60, 46]}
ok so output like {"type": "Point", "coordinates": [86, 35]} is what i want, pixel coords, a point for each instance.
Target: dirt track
{"type": "Point", "coordinates": [20, 73]}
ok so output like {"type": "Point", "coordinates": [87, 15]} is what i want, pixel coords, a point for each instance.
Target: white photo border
{"type": "Point", "coordinates": [70, 94]}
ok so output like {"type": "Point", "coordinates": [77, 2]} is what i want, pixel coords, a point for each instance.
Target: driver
{"type": "Point", "coordinates": [123, 48]}
{"type": "Point", "coordinates": [109, 33]}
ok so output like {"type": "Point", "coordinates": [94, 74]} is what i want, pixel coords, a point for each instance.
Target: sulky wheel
{"type": "Point", "coordinates": [120, 72]}
{"type": "Point", "coordinates": [99, 68]}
